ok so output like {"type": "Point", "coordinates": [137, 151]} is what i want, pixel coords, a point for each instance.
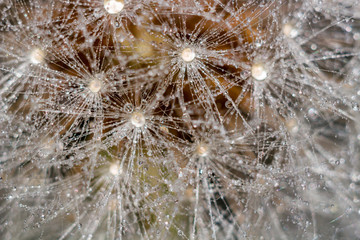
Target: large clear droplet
{"type": "Point", "coordinates": [188, 55]}
{"type": "Point", "coordinates": [138, 119]}
{"type": "Point", "coordinates": [115, 169]}
{"type": "Point", "coordinates": [37, 56]}
{"type": "Point", "coordinates": [202, 150]}
{"type": "Point", "coordinates": [259, 72]}
{"type": "Point", "coordinates": [113, 6]}
{"type": "Point", "coordinates": [95, 85]}
{"type": "Point", "coordinates": [290, 31]}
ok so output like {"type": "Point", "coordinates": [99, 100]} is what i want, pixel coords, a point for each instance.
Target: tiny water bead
{"type": "Point", "coordinates": [95, 85]}
{"type": "Point", "coordinates": [37, 56]}
{"type": "Point", "coordinates": [188, 55]}
{"type": "Point", "coordinates": [202, 150]}
{"type": "Point", "coordinates": [137, 119]}
{"type": "Point", "coordinates": [129, 108]}
{"type": "Point", "coordinates": [259, 72]}
{"type": "Point", "coordinates": [114, 6]}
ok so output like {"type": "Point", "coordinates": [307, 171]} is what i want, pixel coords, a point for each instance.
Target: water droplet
{"type": "Point", "coordinates": [202, 150]}
{"type": "Point", "coordinates": [290, 31]}
{"type": "Point", "coordinates": [115, 169]}
{"type": "Point", "coordinates": [129, 108]}
{"type": "Point", "coordinates": [259, 72]}
{"type": "Point", "coordinates": [355, 106]}
{"type": "Point", "coordinates": [37, 56]}
{"type": "Point", "coordinates": [188, 55]}
{"type": "Point", "coordinates": [138, 119]}
{"type": "Point", "coordinates": [113, 6]}
{"type": "Point", "coordinates": [95, 85]}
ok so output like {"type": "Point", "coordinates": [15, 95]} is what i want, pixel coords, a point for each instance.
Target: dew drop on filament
{"type": "Point", "coordinates": [259, 72]}
{"type": "Point", "coordinates": [113, 6]}
{"type": "Point", "coordinates": [37, 56]}
{"type": "Point", "coordinates": [114, 169]}
{"type": "Point", "coordinates": [290, 31]}
{"type": "Point", "coordinates": [202, 150]}
{"type": "Point", "coordinates": [137, 119]}
{"type": "Point", "coordinates": [95, 85]}
{"type": "Point", "coordinates": [188, 55]}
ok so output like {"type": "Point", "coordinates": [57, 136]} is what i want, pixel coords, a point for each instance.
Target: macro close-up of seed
{"type": "Point", "coordinates": [179, 119]}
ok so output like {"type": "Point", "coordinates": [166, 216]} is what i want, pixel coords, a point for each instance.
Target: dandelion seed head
{"type": "Point", "coordinates": [290, 31]}
{"type": "Point", "coordinates": [105, 117]}
{"type": "Point", "coordinates": [95, 85]}
{"type": "Point", "coordinates": [137, 119]}
{"type": "Point", "coordinates": [114, 6]}
{"type": "Point", "coordinates": [188, 55]}
{"type": "Point", "coordinates": [37, 56]}
{"type": "Point", "coordinates": [258, 72]}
